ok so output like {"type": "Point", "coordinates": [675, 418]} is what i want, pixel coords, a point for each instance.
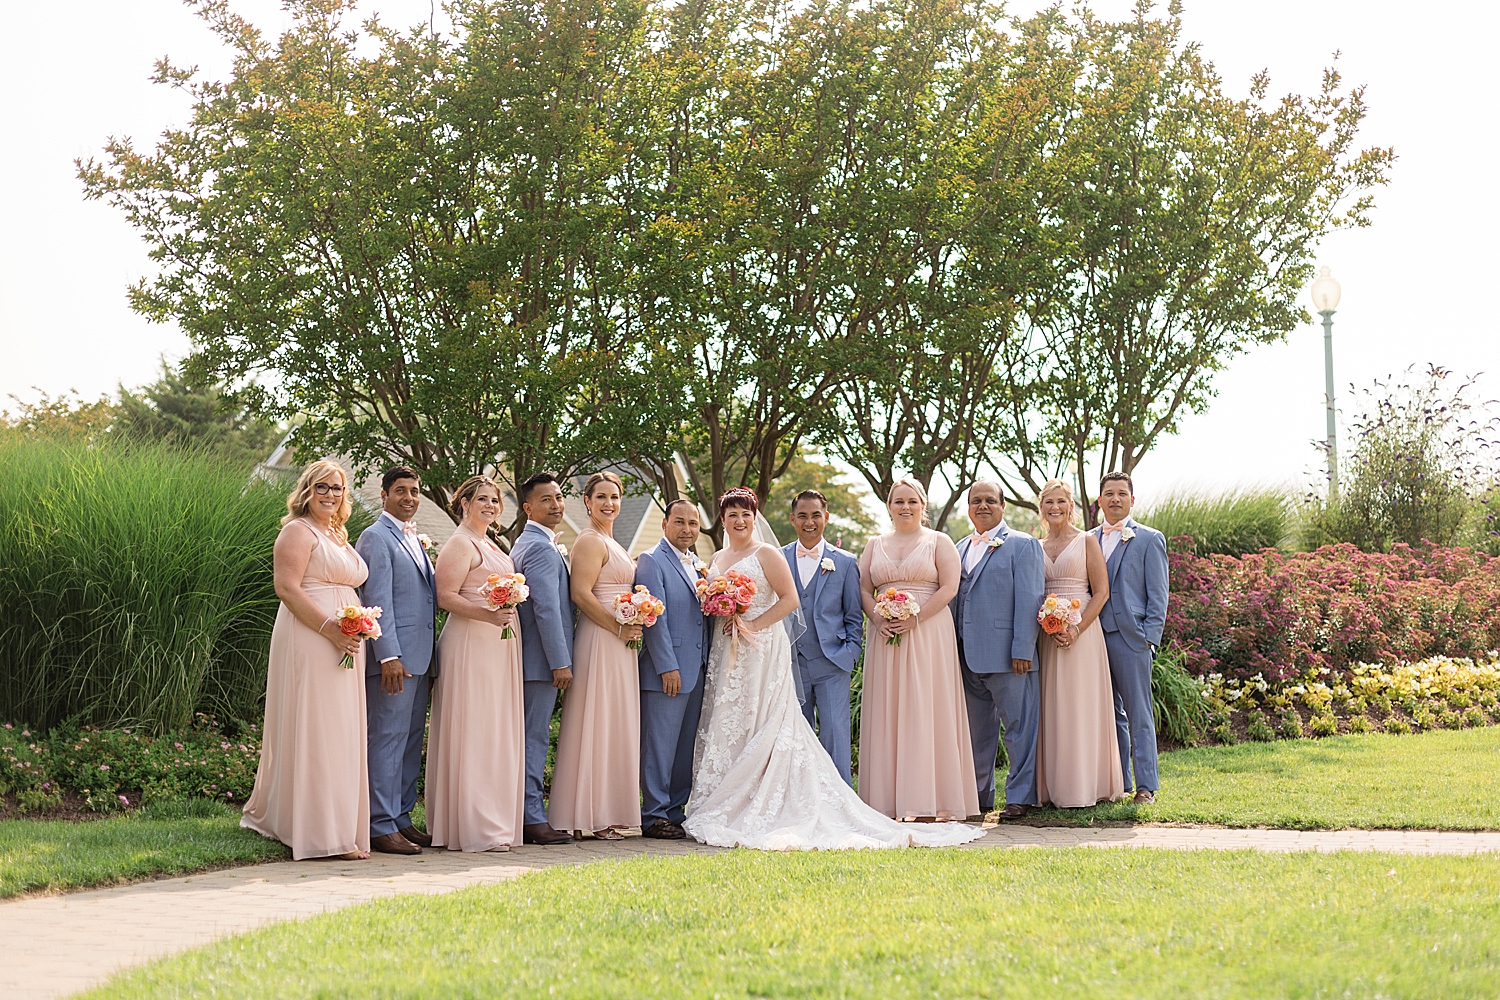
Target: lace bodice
{"type": "Point", "coordinates": [764, 595]}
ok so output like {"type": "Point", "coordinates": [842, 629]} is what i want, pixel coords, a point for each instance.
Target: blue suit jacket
{"type": "Point", "coordinates": [996, 605]}
{"type": "Point", "coordinates": [832, 600]}
{"type": "Point", "coordinates": [547, 615]}
{"type": "Point", "coordinates": [680, 638]}
{"type": "Point", "coordinates": [407, 594]}
{"type": "Point", "coordinates": [1137, 605]}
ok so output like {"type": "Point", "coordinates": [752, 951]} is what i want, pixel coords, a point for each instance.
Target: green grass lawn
{"type": "Point", "coordinates": [1437, 780]}
{"type": "Point", "coordinates": [954, 923]}
{"type": "Point", "coordinates": [166, 838]}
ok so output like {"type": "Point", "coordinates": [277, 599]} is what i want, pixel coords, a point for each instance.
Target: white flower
{"type": "Point", "coordinates": [562, 550]}
{"type": "Point", "coordinates": [1126, 534]}
{"type": "Point", "coordinates": [827, 565]}
{"type": "Point", "coordinates": [425, 540]}
{"type": "Point", "coordinates": [699, 566]}
{"type": "Point", "coordinates": [996, 542]}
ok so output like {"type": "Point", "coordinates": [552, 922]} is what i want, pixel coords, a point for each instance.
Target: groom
{"type": "Point", "coordinates": [546, 620]}
{"type": "Point", "coordinates": [1135, 557]}
{"type": "Point", "coordinates": [672, 663]}
{"type": "Point", "coordinates": [1001, 588]}
{"type": "Point", "coordinates": [397, 674]}
{"type": "Point", "coordinates": [827, 580]}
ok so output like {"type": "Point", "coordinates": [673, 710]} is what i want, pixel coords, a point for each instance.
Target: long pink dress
{"type": "Point", "coordinates": [312, 787]}
{"type": "Point", "coordinates": [596, 782]}
{"type": "Point", "coordinates": [1078, 758]}
{"type": "Point", "coordinates": [914, 753]}
{"type": "Point", "coordinates": [476, 740]}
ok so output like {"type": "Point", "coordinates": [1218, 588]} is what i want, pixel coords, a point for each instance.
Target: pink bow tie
{"type": "Point", "coordinates": [807, 553]}
{"type": "Point", "coordinates": [408, 527]}
{"type": "Point", "coordinates": [979, 539]}
{"type": "Point", "coordinates": [1106, 527]}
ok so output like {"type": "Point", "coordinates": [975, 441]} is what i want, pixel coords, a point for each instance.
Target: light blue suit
{"type": "Point", "coordinates": [829, 649]}
{"type": "Point", "coordinates": [1132, 620]}
{"type": "Point", "coordinates": [405, 589]}
{"type": "Point", "coordinates": [669, 724]}
{"type": "Point", "coordinates": [995, 613]}
{"type": "Point", "coordinates": [546, 619]}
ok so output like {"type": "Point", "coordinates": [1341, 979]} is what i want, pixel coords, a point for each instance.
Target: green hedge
{"type": "Point", "coordinates": [135, 584]}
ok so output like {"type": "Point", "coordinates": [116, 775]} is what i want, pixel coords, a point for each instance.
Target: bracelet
{"type": "Point", "coordinates": [619, 631]}
{"type": "Point", "coordinates": [325, 622]}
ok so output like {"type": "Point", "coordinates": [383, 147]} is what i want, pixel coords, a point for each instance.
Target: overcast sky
{"type": "Point", "coordinates": [77, 72]}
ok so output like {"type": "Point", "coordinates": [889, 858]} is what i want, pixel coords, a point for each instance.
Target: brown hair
{"type": "Point", "coordinates": [739, 497]}
{"type": "Point", "coordinates": [300, 499]}
{"type": "Point", "coordinates": [1112, 477]}
{"type": "Point", "coordinates": [602, 477]}
{"type": "Point", "coordinates": [466, 491]}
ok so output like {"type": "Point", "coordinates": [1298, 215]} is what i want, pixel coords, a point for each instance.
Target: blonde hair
{"type": "Point", "coordinates": [916, 488]}
{"type": "Point", "coordinates": [300, 499]}
{"type": "Point", "coordinates": [1055, 484]}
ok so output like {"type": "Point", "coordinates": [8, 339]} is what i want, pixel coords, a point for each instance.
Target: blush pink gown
{"type": "Point", "coordinates": [596, 780]}
{"type": "Point", "coordinates": [312, 787]}
{"type": "Point", "coordinates": [1078, 757]}
{"type": "Point", "coordinates": [476, 740]}
{"type": "Point", "coordinates": [915, 759]}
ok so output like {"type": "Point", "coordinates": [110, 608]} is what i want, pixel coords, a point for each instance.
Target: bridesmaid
{"type": "Point", "coordinates": [596, 781]}
{"type": "Point", "coordinates": [312, 787]}
{"type": "Point", "coordinates": [1078, 756]}
{"type": "Point", "coordinates": [476, 743]}
{"type": "Point", "coordinates": [915, 759]}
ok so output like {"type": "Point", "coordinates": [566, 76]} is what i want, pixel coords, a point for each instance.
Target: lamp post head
{"type": "Point", "coordinates": [1325, 292]}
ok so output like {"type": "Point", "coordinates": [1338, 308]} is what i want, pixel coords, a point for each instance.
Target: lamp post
{"type": "Point", "coordinates": [1325, 297]}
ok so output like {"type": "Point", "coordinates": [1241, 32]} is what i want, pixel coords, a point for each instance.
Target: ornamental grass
{"type": "Point", "coordinates": [135, 584]}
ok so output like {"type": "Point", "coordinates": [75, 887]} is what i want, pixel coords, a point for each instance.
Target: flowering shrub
{"type": "Point", "coordinates": [101, 764]}
{"type": "Point", "coordinates": [1437, 686]}
{"type": "Point", "coordinates": [1286, 617]}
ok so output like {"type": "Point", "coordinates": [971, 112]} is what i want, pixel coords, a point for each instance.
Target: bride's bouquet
{"type": "Point", "coordinates": [1058, 613]}
{"type": "Point", "coordinates": [505, 591]}
{"type": "Point", "coordinates": [727, 597]}
{"type": "Point", "coordinates": [896, 606]}
{"type": "Point", "coordinates": [638, 608]}
{"type": "Point", "coordinates": [359, 623]}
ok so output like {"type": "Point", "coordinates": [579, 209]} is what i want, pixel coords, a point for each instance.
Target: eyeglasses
{"type": "Point", "coordinates": [324, 490]}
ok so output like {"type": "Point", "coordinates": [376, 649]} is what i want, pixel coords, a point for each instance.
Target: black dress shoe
{"type": "Point", "coordinates": [542, 833]}
{"type": "Point", "coordinates": [663, 830]}
{"type": "Point", "coordinates": [1014, 810]}
{"type": "Point", "coordinates": [394, 843]}
{"type": "Point", "coordinates": [418, 837]}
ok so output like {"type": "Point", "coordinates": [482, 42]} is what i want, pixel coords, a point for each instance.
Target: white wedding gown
{"type": "Point", "coordinates": [761, 779]}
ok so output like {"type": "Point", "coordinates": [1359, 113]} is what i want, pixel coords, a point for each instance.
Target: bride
{"type": "Point", "coordinates": [762, 780]}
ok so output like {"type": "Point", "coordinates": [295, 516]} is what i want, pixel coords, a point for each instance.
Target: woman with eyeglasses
{"type": "Point", "coordinates": [312, 787]}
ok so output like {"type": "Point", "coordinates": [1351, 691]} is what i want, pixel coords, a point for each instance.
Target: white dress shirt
{"type": "Point", "coordinates": [808, 561]}
{"type": "Point", "coordinates": [1109, 540]}
{"type": "Point", "coordinates": [408, 538]}
{"type": "Point", "coordinates": [979, 543]}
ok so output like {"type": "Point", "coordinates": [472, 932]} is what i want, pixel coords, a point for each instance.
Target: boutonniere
{"type": "Point", "coordinates": [700, 567]}
{"type": "Point", "coordinates": [562, 550]}
{"type": "Point", "coordinates": [426, 542]}
{"type": "Point", "coordinates": [827, 565]}
{"type": "Point", "coordinates": [1126, 534]}
{"type": "Point", "coordinates": [996, 542]}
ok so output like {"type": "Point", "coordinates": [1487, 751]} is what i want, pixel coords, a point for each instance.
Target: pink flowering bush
{"type": "Point", "coordinates": [99, 765]}
{"type": "Point", "coordinates": [1281, 615]}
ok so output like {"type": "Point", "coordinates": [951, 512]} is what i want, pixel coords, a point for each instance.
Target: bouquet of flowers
{"type": "Point", "coordinates": [359, 623]}
{"type": "Point", "coordinates": [726, 597]}
{"type": "Point", "coordinates": [896, 606]}
{"type": "Point", "coordinates": [504, 592]}
{"type": "Point", "coordinates": [1058, 613]}
{"type": "Point", "coordinates": [638, 608]}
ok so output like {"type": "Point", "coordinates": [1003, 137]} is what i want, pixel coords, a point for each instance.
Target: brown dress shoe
{"type": "Point", "coordinates": [1014, 810]}
{"type": "Point", "coordinates": [419, 837]}
{"type": "Point", "coordinates": [394, 843]}
{"type": "Point", "coordinates": [1144, 796]}
{"type": "Point", "coordinates": [542, 833]}
{"type": "Point", "coordinates": [663, 830]}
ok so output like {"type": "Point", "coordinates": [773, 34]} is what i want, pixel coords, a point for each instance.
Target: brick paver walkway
{"type": "Point", "coordinates": [56, 945]}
